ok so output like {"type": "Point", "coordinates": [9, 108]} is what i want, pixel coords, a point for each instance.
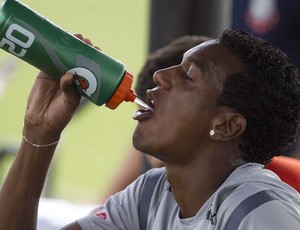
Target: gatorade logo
{"type": "Point", "coordinates": [84, 79]}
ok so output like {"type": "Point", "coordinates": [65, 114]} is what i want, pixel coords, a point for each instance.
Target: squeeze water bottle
{"type": "Point", "coordinates": [34, 39]}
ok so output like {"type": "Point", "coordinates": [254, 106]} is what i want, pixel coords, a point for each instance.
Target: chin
{"type": "Point", "coordinates": [139, 137]}
{"type": "Point", "coordinates": [145, 142]}
{"type": "Point", "coordinates": [138, 143]}
{"type": "Point", "coordinates": [136, 139]}
{"type": "Point", "coordinates": [141, 143]}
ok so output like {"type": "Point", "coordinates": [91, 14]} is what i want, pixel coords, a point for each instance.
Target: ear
{"type": "Point", "coordinates": [228, 125]}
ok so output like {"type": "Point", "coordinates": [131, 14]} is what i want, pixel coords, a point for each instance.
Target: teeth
{"type": "Point", "coordinates": [151, 103]}
{"type": "Point", "coordinates": [143, 104]}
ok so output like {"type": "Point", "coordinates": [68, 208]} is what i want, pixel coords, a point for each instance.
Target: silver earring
{"type": "Point", "coordinates": [212, 132]}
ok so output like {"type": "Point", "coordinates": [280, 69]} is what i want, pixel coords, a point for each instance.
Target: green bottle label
{"type": "Point", "coordinates": [49, 48]}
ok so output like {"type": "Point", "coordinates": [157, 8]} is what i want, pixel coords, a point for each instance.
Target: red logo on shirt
{"type": "Point", "coordinates": [99, 213]}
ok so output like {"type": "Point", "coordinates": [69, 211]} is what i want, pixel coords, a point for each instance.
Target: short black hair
{"type": "Point", "coordinates": [266, 93]}
{"type": "Point", "coordinates": [165, 57]}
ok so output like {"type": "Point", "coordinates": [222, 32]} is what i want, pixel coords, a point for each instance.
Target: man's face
{"type": "Point", "coordinates": [184, 104]}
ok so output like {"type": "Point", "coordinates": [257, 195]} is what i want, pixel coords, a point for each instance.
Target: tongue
{"type": "Point", "coordinates": [142, 115]}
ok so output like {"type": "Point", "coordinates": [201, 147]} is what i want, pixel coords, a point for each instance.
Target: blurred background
{"type": "Point", "coordinates": [92, 147]}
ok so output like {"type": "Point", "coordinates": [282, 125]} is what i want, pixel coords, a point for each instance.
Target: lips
{"type": "Point", "coordinates": [142, 114]}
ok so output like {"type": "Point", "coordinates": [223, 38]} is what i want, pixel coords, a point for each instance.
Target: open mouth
{"type": "Point", "coordinates": [147, 111]}
{"type": "Point", "coordinates": [151, 104]}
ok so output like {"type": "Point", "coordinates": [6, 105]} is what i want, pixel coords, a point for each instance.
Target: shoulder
{"type": "Point", "coordinates": [257, 198]}
{"type": "Point", "coordinates": [124, 209]}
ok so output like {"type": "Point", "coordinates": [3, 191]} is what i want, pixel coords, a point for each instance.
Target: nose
{"type": "Point", "coordinates": [162, 78]}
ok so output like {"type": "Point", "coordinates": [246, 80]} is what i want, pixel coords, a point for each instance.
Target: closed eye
{"type": "Point", "coordinates": [188, 78]}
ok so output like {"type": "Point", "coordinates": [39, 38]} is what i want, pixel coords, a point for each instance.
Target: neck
{"type": "Point", "coordinates": [200, 180]}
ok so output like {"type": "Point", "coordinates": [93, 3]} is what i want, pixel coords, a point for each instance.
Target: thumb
{"type": "Point", "coordinates": [71, 96]}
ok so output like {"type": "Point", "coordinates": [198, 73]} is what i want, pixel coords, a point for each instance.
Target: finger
{"type": "Point", "coordinates": [71, 95]}
{"type": "Point", "coordinates": [97, 47]}
{"type": "Point", "coordinates": [79, 36]}
{"type": "Point", "coordinates": [43, 87]}
{"type": "Point", "coordinates": [86, 40]}
{"type": "Point", "coordinates": [42, 74]}
{"type": "Point", "coordinates": [41, 94]}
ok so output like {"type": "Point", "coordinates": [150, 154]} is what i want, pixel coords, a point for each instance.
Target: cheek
{"type": "Point", "coordinates": [192, 120]}
{"type": "Point", "coordinates": [182, 122]}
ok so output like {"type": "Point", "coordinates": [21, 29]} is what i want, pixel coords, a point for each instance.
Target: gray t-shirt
{"type": "Point", "coordinates": [250, 198]}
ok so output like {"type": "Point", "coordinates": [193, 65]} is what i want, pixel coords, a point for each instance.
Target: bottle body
{"type": "Point", "coordinates": [34, 39]}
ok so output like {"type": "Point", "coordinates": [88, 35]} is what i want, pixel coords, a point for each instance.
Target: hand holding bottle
{"type": "Point", "coordinates": [32, 38]}
{"type": "Point", "coordinates": [51, 105]}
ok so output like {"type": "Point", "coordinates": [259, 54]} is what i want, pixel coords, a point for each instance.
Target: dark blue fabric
{"type": "Point", "coordinates": [248, 205]}
{"type": "Point", "coordinates": [146, 196]}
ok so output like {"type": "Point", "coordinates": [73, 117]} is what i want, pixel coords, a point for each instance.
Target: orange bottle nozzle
{"type": "Point", "coordinates": [123, 93]}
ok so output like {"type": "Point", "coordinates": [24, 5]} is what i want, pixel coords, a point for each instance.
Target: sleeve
{"type": "Point", "coordinates": [120, 211]}
{"type": "Point", "coordinates": [275, 215]}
